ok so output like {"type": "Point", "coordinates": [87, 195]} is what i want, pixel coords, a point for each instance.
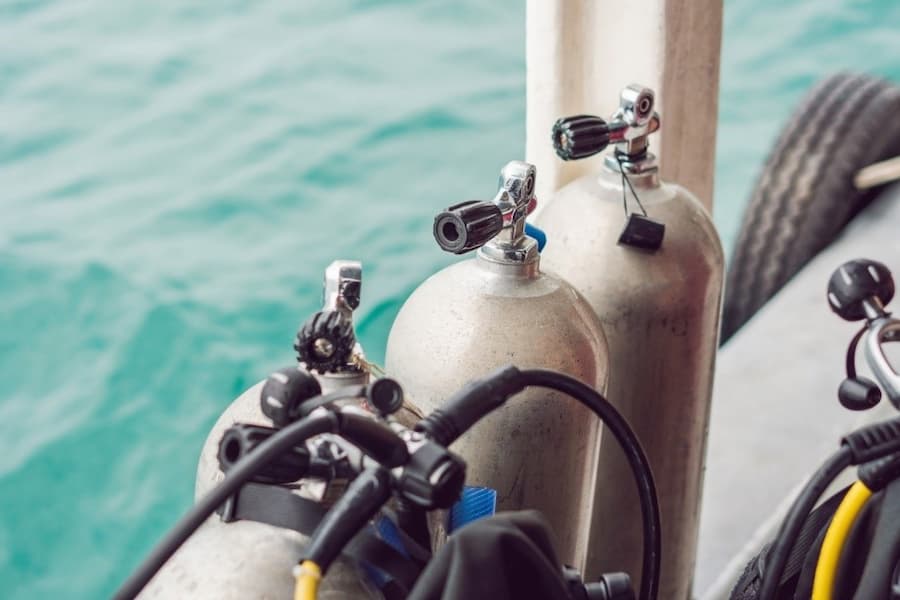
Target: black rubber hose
{"type": "Point", "coordinates": [640, 466]}
{"type": "Point", "coordinates": [362, 499]}
{"type": "Point", "coordinates": [793, 522]}
{"type": "Point", "coordinates": [240, 473]}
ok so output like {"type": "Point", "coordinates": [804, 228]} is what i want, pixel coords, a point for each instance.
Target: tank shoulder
{"type": "Point", "coordinates": [461, 280]}
{"type": "Point", "coordinates": [594, 203]}
{"type": "Point", "coordinates": [701, 218]}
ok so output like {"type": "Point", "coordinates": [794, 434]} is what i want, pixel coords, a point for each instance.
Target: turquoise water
{"type": "Point", "coordinates": [176, 175]}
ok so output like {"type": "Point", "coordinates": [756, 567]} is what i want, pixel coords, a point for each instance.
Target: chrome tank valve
{"type": "Point", "coordinates": [326, 341]}
{"type": "Point", "coordinates": [497, 227]}
{"type": "Point", "coordinates": [582, 136]}
{"type": "Point", "coordinates": [860, 290]}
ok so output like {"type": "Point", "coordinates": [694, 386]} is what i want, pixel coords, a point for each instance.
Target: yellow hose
{"type": "Point", "coordinates": [835, 537]}
{"type": "Point", "coordinates": [308, 577]}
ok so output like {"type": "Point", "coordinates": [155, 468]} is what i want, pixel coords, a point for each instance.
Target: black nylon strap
{"type": "Point", "coordinates": [748, 584]}
{"type": "Point", "coordinates": [273, 505]}
{"type": "Point", "coordinates": [817, 520]}
{"type": "Point", "coordinates": [279, 506]}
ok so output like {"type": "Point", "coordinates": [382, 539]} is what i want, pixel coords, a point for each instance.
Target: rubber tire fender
{"type": "Point", "coordinates": [805, 194]}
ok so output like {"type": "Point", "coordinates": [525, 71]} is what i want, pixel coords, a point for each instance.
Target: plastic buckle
{"type": "Point", "coordinates": [642, 232]}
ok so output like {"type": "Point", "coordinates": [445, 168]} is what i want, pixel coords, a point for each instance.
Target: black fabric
{"type": "Point", "coordinates": [817, 520]}
{"type": "Point", "coordinates": [866, 564]}
{"type": "Point", "coordinates": [748, 584]}
{"type": "Point", "coordinates": [884, 551]}
{"type": "Point", "coordinates": [804, 585]}
{"type": "Point", "coordinates": [504, 557]}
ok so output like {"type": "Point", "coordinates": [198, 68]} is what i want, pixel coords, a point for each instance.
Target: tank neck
{"type": "Point", "coordinates": [642, 172]}
{"type": "Point", "coordinates": [528, 269]}
{"type": "Point", "coordinates": [515, 199]}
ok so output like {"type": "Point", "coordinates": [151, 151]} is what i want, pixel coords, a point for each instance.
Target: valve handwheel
{"type": "Point", "coordinates": [856, 281]}
{"type": "Point", "coordinates": [579, 136]}
{"type": "Point", "coordinates": [325, 342]}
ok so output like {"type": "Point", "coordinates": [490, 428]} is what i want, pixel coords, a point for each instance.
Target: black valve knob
{"type": "Point", "coordinates": [433, 478]}
{"type": "Point", "coordinates": [385, 396]}
{"type": "Point", "coordinates": [856, 281]}
{"type": "Point", "coordinates": [859, 393]}
{"type": "Point", "coordinates": [467, 226]}
{"type": "Point", "coordinates": [611, 586]}
{"type": "Point", "coordinates": [580, 136]}
{"type": "Point", "coordinates": [284, 392]}
{"type": "Point", "coordinates": [239, 440]}
{"type": "Point", "coordinates": [325, 342]}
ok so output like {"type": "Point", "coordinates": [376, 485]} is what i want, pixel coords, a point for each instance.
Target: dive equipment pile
{"type": "Point", "coordinates": [342, 480]}
{"type": "Point", "coordinates": [394, 462]}
{"type": "Point", "coordinates": [831, 552]}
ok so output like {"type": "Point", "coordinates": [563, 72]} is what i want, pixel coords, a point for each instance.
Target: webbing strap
{"type": "Point", "coordinates": [280, 507]}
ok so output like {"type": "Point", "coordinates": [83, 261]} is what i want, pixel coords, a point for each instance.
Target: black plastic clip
{"type": "Point", "coordinates": [642, 232]}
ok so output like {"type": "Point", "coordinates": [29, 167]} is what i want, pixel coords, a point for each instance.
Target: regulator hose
{"type": "Point", "coordinates": [867, 444]}
{"type": "Point", "coordinates": [835, 536]}
{"type": "Point", "coordinates": [640, 466]}
{"type": "Point", "coordinates": [242, 472]}
{"type": "Point", "coordinates": [482, 396]}
{"type": "Point", "coordinates": [793, 522]}
{"type": "Point", "coordinates": [362, 499]}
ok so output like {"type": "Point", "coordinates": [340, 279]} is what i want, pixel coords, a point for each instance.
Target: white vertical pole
{"type": "Point", "coordinates": [581, 53]}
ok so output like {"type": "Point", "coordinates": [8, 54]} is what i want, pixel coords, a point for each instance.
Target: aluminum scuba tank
{"type": "Point", "coordinates": [251, 559]}
{"type": "Point", "coordinates": [538, 451]}
{"type": "Point", "coordinates": [657, 287]}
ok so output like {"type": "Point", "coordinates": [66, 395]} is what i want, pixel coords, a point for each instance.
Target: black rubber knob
{"type": "Point", "coordinates": [859, 393]}
{"type": "Point", "coordinates": [433, 478]}
{"type": "Point", "coordinates": [385, 396]}
{"type": "Point", "coordinates": [284, 392]}
{"type": "Point", "coordinates": [580, 136]}
{"type": "Point", "coordinates": [612, 586]}
{"type": "Point", "coordinates": [467, 226]}
{"type": "Point", "coordinates": [240, 440]}
{"type": "Point", "coordinates": [856, 281]}
{"type": "Point", "coordinates": [325, 342]}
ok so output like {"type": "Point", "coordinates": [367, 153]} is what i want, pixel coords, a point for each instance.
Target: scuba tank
{"type": "Point", "coordinates": [496, 309]}
{"type": "Point", "coordinates": [245, 555]}
{"type": "Point", "coordinates": [653, 273]}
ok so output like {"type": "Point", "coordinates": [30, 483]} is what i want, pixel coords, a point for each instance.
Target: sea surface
{"type": "Point", "coordinates": [175, 176]}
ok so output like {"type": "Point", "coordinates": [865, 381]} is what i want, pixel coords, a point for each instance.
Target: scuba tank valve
{"type": "Point", "coordinates": [859, 290]}
{"type": "Point", "coordinates": [326, 341]}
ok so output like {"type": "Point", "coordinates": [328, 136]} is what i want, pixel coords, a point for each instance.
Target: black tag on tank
{"type": "Point", "coordinates": [642, 232]}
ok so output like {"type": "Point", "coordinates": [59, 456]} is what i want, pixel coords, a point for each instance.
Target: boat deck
{"type": "Point", "coordinates": [775, 414]}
